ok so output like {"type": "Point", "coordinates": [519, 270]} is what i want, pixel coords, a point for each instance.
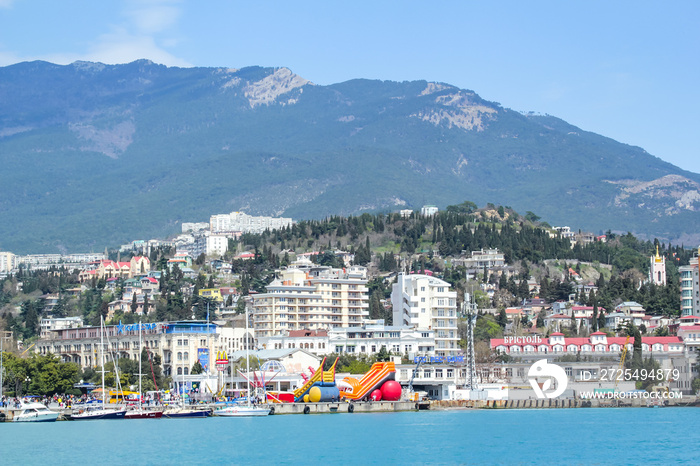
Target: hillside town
{"type": "Point", "coordinates": [328, 303]}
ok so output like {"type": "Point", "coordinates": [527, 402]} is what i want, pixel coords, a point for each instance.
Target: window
{"type": "Point", "coordinates": [179, 371]}
{"type": "Point", "coordinates": [179, 356]}
{"type": "Point", "coordinates": [186, 356]}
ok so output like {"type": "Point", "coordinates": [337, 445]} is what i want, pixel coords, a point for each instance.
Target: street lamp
{"type": "Point", "coordinates": [2, 368]}
{"type": "Point", "coordinates": [29, 381]}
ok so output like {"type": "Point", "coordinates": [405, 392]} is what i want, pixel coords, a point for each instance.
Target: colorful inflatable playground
{"type": "Point", "coordinates": [376, 385]}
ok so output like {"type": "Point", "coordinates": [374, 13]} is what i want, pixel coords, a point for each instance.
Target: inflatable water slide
{"type": "Point", "coordinates": [319, 387]}
{"type": "Point", "coordinates": [379, 373]}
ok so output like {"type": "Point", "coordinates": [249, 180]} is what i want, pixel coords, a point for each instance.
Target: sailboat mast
{"type": "Point", "coordinates": [102, 356]}
{"type": "Point", "coordinates": [140, 352]}
{"type": "Point", "coordinates": [247, 356]}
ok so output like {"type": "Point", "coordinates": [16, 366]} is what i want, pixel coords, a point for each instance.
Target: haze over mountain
{"type": "Point", "coordinates": [95, 155]}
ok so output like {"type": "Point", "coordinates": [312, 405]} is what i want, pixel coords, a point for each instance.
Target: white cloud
{"type": "Point", "coordinates": [6, 3]}
{"type": "Point", "coordinates": [143, 34]}
{"type": "Point", "coordinates": [153, 16]}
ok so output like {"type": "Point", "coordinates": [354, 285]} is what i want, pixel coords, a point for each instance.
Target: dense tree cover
{"type": "Point", "coordinates": [38, 375]}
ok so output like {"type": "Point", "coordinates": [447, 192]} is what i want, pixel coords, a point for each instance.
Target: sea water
{"type": "Point", "coordinates": [537, 436]}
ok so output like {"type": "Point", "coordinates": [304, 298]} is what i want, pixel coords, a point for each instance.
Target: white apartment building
{"type": "Point", "coordinates": [8, 262]}
{"type": "Point", "coordinates": [49, 323]}
{"type": "Point", "coordinates": [239, 221]}
{"type": "Point", "coordinates": [488, 258]}
{"type": "Point", "coordinates": [425, 302]}
{"type": "Point", "coordinates": [45, 261]}
{"type": "Point", "coordinates": [217, 245]}
{"type": "Point", "coordinates": [428, 210]}
{"type": "Point", "coordinates": [309, 297]}
{"type": "Point", "coordinates": [690, 287]}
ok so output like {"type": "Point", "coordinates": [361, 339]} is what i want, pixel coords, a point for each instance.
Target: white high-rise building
{"type": "Point", "coordinates": [690, 287]}
{"type": "Point", "coordinates": [426, 302]}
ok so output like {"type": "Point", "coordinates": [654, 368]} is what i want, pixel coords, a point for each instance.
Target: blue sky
{"type": "Point", "coordinates": [626, 70]}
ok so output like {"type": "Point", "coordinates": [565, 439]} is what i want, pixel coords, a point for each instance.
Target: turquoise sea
{"type": "Point", "coordinates": [545, 436]}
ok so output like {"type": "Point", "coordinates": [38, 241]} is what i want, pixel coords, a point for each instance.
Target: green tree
{"type": "Point", "coordinates": [502, 318]}
{"type": "Point", "coordinates": [197, 368]}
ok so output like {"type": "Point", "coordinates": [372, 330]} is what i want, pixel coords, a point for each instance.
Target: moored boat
{"type": "Point", "coordinates": [143, 414]}
{"type": "Point", "coordinates": [34, 412]}
{"type": "Point", "coordinates": [242, 410]}
{"type": "Point", "coordinates": [99, 413]}
{"type": "Point", "coordinates": [183, 413]}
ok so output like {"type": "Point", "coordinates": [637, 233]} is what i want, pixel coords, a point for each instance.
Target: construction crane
{"type": "Point", "coordinates": [30, 347]}
{"type": "Point", "coordinates": [411, 394]}
{"type": "Point", "coordinates": [621, 368]}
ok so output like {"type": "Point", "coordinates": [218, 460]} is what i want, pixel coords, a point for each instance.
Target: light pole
{"type": "Point", "coordinates": [2, 367]}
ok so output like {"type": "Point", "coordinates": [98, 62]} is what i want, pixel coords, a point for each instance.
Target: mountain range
{"type": "Point", "coordinates": [96, 155]}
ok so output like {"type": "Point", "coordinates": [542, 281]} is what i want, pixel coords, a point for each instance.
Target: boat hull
{"type": "Point", "coordinates": [144, 415]}
{"type": "Point", "coordinates": [242, 411]}
{"type": "Point", "coordinates": [183, 414]}
{"type": "Point", "coordinates": [99, 414]}
{"type": "Point", "coordinates": [48, 417]}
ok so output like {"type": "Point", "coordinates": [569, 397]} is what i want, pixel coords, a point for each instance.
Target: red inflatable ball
{"type": "Point", "coordinates": [376, 395]}
{"type": "Point", "coordinates": [391, 391]}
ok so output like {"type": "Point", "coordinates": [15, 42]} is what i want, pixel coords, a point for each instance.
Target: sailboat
{"type": "Point", "coordinates": [248, 409]}
{"type": "Point", "coordinates": [101, 412]}
{"type": "Point", "coordinates": [141, 413]}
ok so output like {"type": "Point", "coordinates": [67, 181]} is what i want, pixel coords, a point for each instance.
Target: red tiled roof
{"type": "Point", "coordinates": [580, 341]}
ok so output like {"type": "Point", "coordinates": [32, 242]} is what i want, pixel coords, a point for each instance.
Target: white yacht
{"type": "Point", "coordinates": [34, 412]}
{"type": "Point", "coordinates": [240, 410]}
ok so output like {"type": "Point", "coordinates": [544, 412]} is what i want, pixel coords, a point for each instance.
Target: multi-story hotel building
{"type": "Point", "coordinates": [309, 297]}
{"type": "Point", "coordinates": [690, 287]}
{"type": "Point", "coordinates": [425, 302]}
{"type": "Point", "coordinates": [179, 344]}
